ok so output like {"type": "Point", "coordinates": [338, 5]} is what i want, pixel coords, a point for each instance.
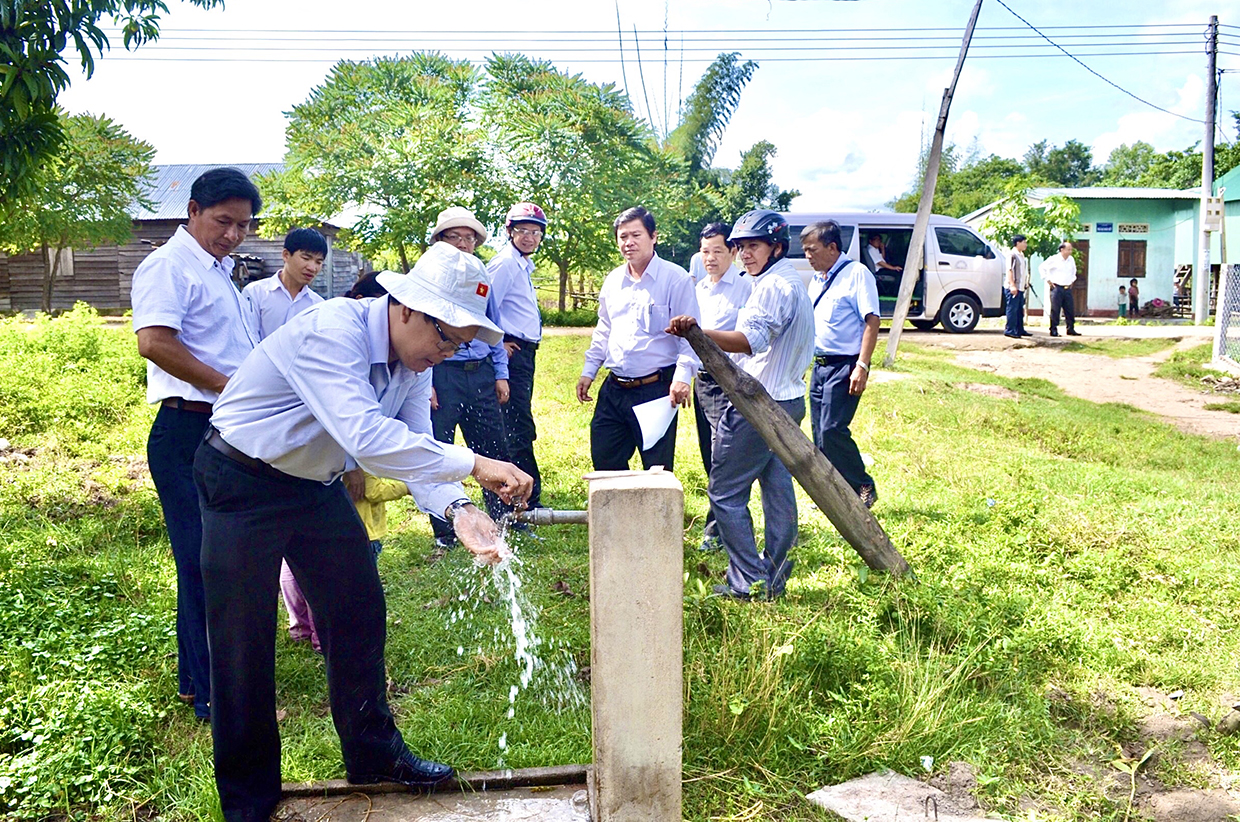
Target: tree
{"type": "Point", "coordinates": [391, 140]}
{"type": "Point", "coordinates": [1069, 165]}
{"type": "Point", "coordinates": [1127, 164]}
{"type": "Point", "coordinates": [709, 109]}
{"type": "Point", "coordinates": [34, 36]}
{"type": "Point", "coordinates": [577, 150]}
{"type": "Point", "coordinates": [750, 186]}
{"type": "Point", "coordinates": [1045, 225]}
{"type": "Point", "coordinates": [964, 185]}
{"type": "Point", "coordinates": [82, 195]}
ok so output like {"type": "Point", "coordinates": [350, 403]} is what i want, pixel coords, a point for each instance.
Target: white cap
{"type": "Point", "coordinates": [447, 285]}
{"type": "Point", "coordinates": [457, 217]}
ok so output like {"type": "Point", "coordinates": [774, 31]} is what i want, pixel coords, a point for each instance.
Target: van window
{"type": "Point", "coordinates": [795, 252]}
{"type": "Point", "coordinates": [962, 243]}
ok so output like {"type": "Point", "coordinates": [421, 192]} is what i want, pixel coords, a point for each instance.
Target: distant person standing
{"type": "Point", "coordinates": [846, 320]}
{"type": "Point", "coordinates": [635, 304]}
{"type": "Point", "coordinates": [1134, 298]}
{"type": "Point", "coordinates": [1123, 303]}
{"type": "Point", "coordinates": [472, 384]}
{"type": "Point", "coordinates": [194, 329]}
{"type": "Point", "coordinates": [721, 293]}
{"type": "Point", "coordinates": [287, 293]}
{"type": "Point", "coordinates": [1059, 270]}
{"type": "Point", "coordinates": [775, 330]}
{"type": "Point", "coordinates": [1015, 282]}
{"type": "Point", "coordinates": [516, 302]}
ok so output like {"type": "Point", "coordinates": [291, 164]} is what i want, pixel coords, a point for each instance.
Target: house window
{"type": "Point", "coordinates": [960, 242]}
{"type": "Point", "coordinates": [1131, 259]}
{"type": "Point", "coordinates": [1134, 228]}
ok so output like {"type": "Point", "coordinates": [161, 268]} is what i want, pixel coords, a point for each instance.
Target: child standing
{"type": "Point", "coordinates": [1134, 299]}
{"type": "Point", "coordinates": [1123, 302]}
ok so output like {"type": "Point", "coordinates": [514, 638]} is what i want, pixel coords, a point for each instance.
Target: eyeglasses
{"type": "Point", "coordinates": [528, 232]}
{"type": "Point", "coordinates": [455, 237]}
{"type": "Point", "coordinates": [447, 344]}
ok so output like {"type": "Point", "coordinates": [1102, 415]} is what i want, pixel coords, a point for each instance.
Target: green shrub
{"type": "Point", "coordinates": [577, 317]}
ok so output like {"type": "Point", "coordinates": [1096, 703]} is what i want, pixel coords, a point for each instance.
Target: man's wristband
{"type": "Point", "coordinates": [454, 508]}
{"type": "Point", "coordinates": [864, 365]}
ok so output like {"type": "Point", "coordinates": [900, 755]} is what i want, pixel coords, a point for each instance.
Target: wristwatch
{"type": "Point", "coordinates": [866, 366]}
{"type": "Point", "coordinates": [455, 507]}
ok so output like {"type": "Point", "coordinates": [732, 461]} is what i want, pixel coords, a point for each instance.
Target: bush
{"type": "Point", "coordinates": [575, 318]}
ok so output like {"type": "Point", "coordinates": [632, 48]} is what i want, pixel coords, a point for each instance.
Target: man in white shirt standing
{"type": "Point", "coordinates": [722, 291]}
{"type": "Point", "coordinates": [1059, 270]}
{"type": "Point", "coordinates": [846, 320]}
{"type": "Point", "coordinates": [635, 304]}
{"type": "Point", "coordinates": [775, 330]}
{"type": "Point", "coordinates": [194, 329]}
{"type": "Point", "coordinates": [516, 301]}
{"type": "Point", "coordinates": [287, 293]}
{"type": "Point", "coordinates": [347, 383]}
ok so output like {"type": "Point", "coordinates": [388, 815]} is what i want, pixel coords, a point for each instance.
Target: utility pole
{"type": "Point", "coordinates": [917, 245]}
{"type": "Point", "coordinates": [1201, 282]}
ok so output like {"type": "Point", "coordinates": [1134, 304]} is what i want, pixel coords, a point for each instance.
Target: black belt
{"type": "Point", "coordinates": [648, 379]}
{"type": "Point", "coordinates": [524, 343]}
{"type": "Point", "coordinates": [467, 365]}
{"type": "Point", "coordinates": [834, 359]}
{"type": "Point", "coordinates": [197, 406]}
{"type": "Point", "coordinates": [217, 442]}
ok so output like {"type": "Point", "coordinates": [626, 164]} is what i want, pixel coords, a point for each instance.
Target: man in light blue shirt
{"type": "Point", "coordinates": [347, 384]}
{"type": "Point", "coordinates": [287, 293]}
{"type": "Point", "coordinates": [846, 320]}
{"type": "Point", "coordinates": [775, 329]}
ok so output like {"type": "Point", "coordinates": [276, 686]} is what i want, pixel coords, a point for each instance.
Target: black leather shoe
{"type": "Point", "coordinates": [1013, 336]}
{"type": "Point", "coordinates": [725, 590]}
{"type": "Point", "coordinates": [409, 770]}
{"type": "Point", "coordinates": [1054, 333]}
{"type": "Point", "coordinates": [1074, 333]}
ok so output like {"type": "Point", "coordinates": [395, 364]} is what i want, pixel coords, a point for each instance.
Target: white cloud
{"type": "Point", "coordinates": [1163, 131]}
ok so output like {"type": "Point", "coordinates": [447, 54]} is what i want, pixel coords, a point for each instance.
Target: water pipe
{"type": "Point", "coordinates": [550, 516]}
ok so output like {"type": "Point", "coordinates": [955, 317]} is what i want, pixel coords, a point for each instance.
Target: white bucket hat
{"type": "Point", "coordinates": [447, 285]}
{"type": "Point", "coordinates": [458, 217]}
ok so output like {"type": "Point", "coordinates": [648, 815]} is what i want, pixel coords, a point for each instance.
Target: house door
{"type": "Point", "coordinates": [1080, 288]}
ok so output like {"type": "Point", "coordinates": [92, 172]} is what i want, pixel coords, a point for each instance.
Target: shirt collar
{"type": "Point", "coordinates": [652, 268]}
{"type": "Point", "coordinates": [184, 238]}
{"type": "Point", "coordinates": [730, 275]}
{"type": "Point", "coordinates": [377, 318]}
{"type": "Point", "coordinates": [839, 266]}
{"type": "Point", "coordinates": [525, 262]}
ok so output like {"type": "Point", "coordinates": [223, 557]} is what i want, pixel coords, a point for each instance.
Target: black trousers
{"type": "Point", "coordinates": [519, 413]}
{"type": "Point", "coordinates": [709, 404]}
{"type": "Point", "coordinates": [466, 394]}
{"type": "Point", "coordinates": [170, 448]}
{"type": "Point", "coordinates": [831, 410]}
{"type": "Point", "coordinates": [252, 518]}
{"type": "Point", "coordinates": [614, 432]}
{"type": "Point", "coordinates": [1061, 299]}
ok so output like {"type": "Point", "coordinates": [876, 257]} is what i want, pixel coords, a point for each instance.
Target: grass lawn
{"type": "Point", "coordinates": [1067, 554]}
{"type": "Point", "coordinates": [1120, 349]}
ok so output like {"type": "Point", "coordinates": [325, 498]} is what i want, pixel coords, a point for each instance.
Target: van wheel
{"type": "Point", "coordinates": [960, 313]}
{"type": "Point", "coordinates": [924, 325]}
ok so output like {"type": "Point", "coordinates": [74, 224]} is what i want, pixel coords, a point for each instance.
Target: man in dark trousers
{"type": "Point", "coordinates": [194, 328]}
{"type": "Point", "coordinates": [346, 383]}
{"type": "Point", "coordinates": [635, 304]}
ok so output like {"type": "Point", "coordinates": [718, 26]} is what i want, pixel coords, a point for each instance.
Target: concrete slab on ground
{"type": "Point", "coordinates": [891, 797]}
{"type": "Point", "coordinates": [563, 803]}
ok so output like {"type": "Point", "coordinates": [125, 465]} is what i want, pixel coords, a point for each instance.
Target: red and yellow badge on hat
{"type": "Point", "coordinates": [482, 289]}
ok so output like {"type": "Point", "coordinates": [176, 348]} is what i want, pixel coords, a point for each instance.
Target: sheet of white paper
{"type": "Point", "coordinates": [654, 417]}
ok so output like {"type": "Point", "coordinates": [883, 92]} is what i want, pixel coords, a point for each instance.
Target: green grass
{"type": "Point", "coordinates": [1188, 367]}
{"type": "Point", "coordinates": [1067, 553]}
{"type": "Point", "coordinates": [1120, 349]}
{"type": "Point", "coordinates": [1230, 406]}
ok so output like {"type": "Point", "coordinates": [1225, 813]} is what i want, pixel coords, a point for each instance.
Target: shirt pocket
{"type": "Point", "coordinates": [657, 318]}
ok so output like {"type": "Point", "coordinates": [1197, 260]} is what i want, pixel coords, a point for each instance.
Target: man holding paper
{"type": "Point", "coordinates": [776, 328]}
{"type": "Point", "coordinates": [644, 362]}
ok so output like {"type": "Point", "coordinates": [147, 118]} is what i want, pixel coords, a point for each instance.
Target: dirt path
{"type": "Point", "coordinates": [1099, 378]}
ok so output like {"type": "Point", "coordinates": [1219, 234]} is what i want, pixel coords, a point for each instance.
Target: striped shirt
{"type": "Point", "coordinates": [778, 322]}
{"type": "Point", "coordinates": [631, 337]}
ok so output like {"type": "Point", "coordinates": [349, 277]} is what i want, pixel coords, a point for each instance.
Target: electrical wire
{"type": "Point", "coordinates": [1096, 74]}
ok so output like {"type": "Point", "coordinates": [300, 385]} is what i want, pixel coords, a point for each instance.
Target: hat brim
{"type": "Point", "coordinates": [412, 294]}
{"type": "Point", "coordinates": [463, 222]}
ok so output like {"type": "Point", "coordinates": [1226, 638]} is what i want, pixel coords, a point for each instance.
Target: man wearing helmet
{"type": "Point", "coordinates": [472, 385]}
{"type": "Point", "coordinates": [512, 292]}
{"type": "Point", "coordinates": [846, 313]}
{"type": "Point", "coordinates": [776, 329]}
{"type": "Point", "coordinates": [634, 306]}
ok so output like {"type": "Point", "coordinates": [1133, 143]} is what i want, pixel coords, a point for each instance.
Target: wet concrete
{"type": "Point", "coordinates": [563, 803]}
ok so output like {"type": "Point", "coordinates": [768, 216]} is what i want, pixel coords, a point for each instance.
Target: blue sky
{"type": "Point", "coordinates": [848, 132]}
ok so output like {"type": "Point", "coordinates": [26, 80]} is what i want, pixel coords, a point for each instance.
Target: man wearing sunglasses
{"type": "Point", "coordinates": [472, 384]}
{"type": "Point", "coordinates": [345, 385]}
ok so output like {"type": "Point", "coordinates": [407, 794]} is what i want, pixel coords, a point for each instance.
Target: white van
{"type": "Point", "coordinates": [962, 277]}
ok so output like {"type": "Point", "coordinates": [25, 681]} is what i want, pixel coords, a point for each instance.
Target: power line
{"type": "Point", "coordinates": [658, 33]}
{"type": "Point", "coordinates": [1096, 74]}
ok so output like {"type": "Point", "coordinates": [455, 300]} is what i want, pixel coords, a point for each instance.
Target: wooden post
{"type": "Point", "coordinates": [917, 245]}
{"type": "Point", "coordinates": [815, 473]}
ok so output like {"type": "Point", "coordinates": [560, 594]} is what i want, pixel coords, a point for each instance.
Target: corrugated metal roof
{"type": "Point", "coordinates": [169, 190]}
{"type": "Point", "coordinates": [1118, 193]}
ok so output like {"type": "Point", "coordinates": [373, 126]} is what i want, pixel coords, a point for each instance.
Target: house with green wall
{"type": "Point", "coordinates": [1146, 234]}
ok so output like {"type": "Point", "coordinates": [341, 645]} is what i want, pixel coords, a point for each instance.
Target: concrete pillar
{"type": "Point", "coordinates": [636, 656]}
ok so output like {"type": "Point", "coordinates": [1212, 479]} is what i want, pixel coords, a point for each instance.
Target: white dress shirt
{"type": "Point", "coordinates": [1058, 271]}
{"type": "Point", "coordinates": [721, 301]}
{"type": "Point", "coordinates": [319, 391]}
{"type": "Point", "coordinates": [778, 322]}
{"type": "Point", "coordinates": [630, 338]}
{"type": "Point", "coordinates": [512, 289]}
{"type": "Point", "coordinates": [697, 268]}
{"type": "Point", "coordinates": [274, 305]}
{"type": "Point", "coordinates": [876, 256]}
{"type": "Point", "coordinates": [839, 316]}
{"type": "Point", "coordinates": [182, 287]}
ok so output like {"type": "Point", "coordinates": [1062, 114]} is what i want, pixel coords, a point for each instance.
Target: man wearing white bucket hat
{"type": "Point", "coordinates": [344, 384]}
